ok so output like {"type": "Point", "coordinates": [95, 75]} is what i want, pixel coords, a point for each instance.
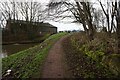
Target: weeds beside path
{"type": "Point", "coordinates": [88, 60]}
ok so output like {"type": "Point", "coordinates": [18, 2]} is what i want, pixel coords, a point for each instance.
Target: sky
{"type": "Point", "coordinates": [61, 26]}
{"type": "Point", "coordinates": [73, 26]}
{"type": "Point", "coordinates": [67, 26]}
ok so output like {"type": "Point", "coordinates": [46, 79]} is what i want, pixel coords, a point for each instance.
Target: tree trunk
{"type": "Point", "coordinates": [118, 27]}
{"type": "Point", "coordinates": [87, 13]}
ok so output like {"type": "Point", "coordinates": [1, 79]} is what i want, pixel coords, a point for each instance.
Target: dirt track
{"type": "Point", "coordinates": [55, 66]}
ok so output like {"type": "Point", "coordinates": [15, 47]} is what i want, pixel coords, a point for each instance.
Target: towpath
{"type": "Point", "coordinates": [55, 66]}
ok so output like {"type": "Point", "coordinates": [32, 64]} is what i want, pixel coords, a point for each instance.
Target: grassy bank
{"type": "Point", "coordinates": [28, 63]}
{"type": "Point", "coordinates": [87, 58]}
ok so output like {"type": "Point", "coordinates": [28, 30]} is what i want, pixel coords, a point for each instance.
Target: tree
{"type": "Point", "coordinates": [81, 12]}
{"type": "Point", "coordinates": [8, 11]}
{"type": "Point", "coordinates": [118, 25]}
{"type": "Point", "coordinates": [109, 12]}
{"type": "Point", "coordinates": [30, 10]}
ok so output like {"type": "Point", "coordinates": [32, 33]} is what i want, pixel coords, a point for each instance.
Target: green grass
{"type": "Point", "coordinates": [42, 37]}
{"type": "Point", "coordinates": [28, 63]}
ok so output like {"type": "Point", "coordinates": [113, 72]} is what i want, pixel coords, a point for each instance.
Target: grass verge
{"type": "Point", "coordinates": [28, 63]}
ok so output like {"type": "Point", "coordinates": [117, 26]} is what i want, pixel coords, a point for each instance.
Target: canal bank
{"type": "Point", "coordinates": [28, 63]}
{"type": "Point", "coordinates": [9, 48]}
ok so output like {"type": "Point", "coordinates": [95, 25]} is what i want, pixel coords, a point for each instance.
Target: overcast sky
{"type": "Point", "coordinates": [61, 26]}
{"type": "Point", "coordinates": [67, 26]}
{"type": "Point", "coordinates": [74, 26]}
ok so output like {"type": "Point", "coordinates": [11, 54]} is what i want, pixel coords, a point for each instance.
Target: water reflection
{"type": "Point", "coordinates": [11, 49]}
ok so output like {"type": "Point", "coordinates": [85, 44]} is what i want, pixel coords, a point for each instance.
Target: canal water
{"type": "Point", "coordinates": [14, 48]}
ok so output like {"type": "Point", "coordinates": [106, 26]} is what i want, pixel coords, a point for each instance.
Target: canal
{"type": "Point", "coordinates": [14, 48]}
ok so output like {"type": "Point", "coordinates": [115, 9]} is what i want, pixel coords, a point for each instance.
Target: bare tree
{"type": "Point", "coordinates": [30, 10]}
{"type": "Point", "coordinates": [109, 12]}
{"type": "Point", "coordinates": [9, 11]}
{"type": "Point", "coordinates": [6, 10]}
{"type": "Point", "coordinates": [118, 25]}
{"type": "Point", "coordinates": [23, 8]}
{"type": "Point", "coordinates": [81, 12]}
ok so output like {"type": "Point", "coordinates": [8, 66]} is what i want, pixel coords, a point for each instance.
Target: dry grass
{"type": "Point", "coordinates": [88, 58]}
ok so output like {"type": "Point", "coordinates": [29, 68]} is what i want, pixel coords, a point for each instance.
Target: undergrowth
{"type": "Point", "coordinates": [86, 58]}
